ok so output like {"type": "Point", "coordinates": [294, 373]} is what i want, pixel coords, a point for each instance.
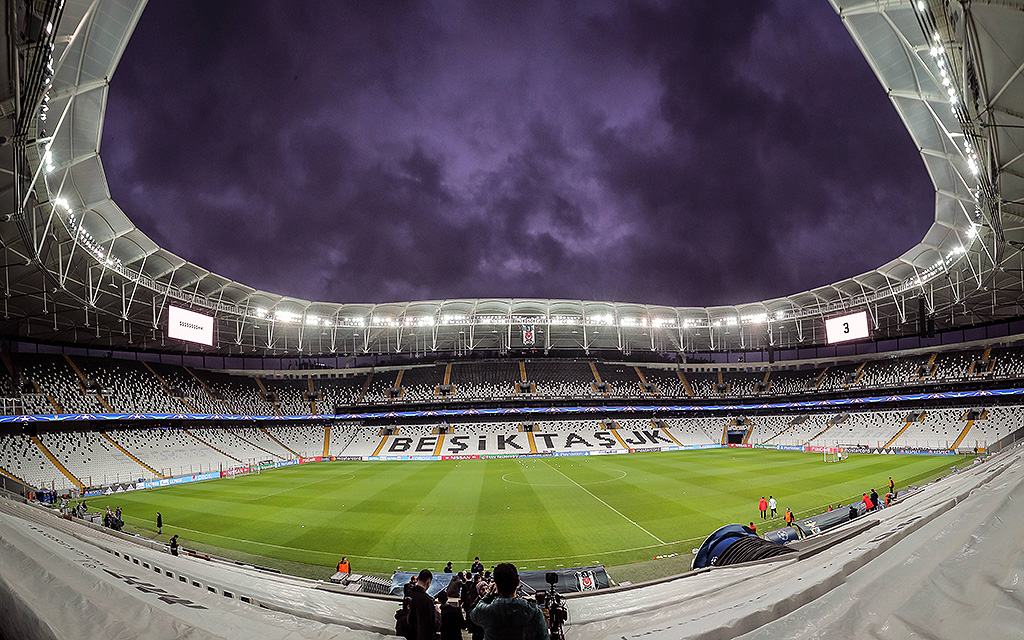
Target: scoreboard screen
{"type": "Point", "coordinates": [849, 327]}
{"type": "Point", "coordinates": [189, 326]}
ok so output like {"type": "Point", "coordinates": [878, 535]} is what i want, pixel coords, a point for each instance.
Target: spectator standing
{"type": "Point", "coordinates": [423, 613]}
{"type": "Point", "coordinates": [504, 615]}
{"type": "Point", "coordinates": [762, 506]}
{"type": "Point", "coordinates": [478, 567]}
{"type": "Point", "coordinates": [874, 499]}
{"type": "Point", "coordinates": [402, 628]}
{"type": "Point", "coordinates": [159, 523]}
{"type": "Point", "coordinates": [454, 588]}
{"type": "Point", "coordinates": [772, 504]}
{"type": "Point", "coordinates": [174, 545]}
{"type": "Point", "coordinates": [452, 622]}
{"type": "Point", "coordinates": [868, 505]}
{"type": "Point", "coordinates": [469, 598]}
{"type": "Point", "coordinates": [407, 587]}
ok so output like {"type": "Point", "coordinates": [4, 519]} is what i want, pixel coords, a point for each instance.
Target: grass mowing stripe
{"type": "Point", "coordinates": [312, 482]}
{"type": "Point", "coordinates": [660, 541]}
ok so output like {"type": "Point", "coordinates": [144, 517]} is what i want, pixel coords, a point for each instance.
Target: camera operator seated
{"type": "Point", "coordinates": [503, 615]}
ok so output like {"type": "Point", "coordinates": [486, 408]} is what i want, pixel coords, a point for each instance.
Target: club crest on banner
{"type": "Point", "coordinates": [529, 335]}
{"type": "Point", "coordinates": [586, 581]}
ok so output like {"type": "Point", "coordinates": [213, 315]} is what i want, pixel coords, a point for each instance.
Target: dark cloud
{"type": "Point", "coordinates": [683, 153]}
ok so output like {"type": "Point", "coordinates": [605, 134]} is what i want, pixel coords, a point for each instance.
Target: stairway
{"type": "Point", "coordinates": [269, 435]}
{"type": "Point", "coordinates": [211, 446]}
{"type": "Point", "coordinates": [130, 455]}
{"type": "Point", "coordinates": [46, 452]}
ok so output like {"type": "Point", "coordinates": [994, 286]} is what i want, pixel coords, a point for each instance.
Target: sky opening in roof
{"type": "Point", "coordinates": [681, 153]}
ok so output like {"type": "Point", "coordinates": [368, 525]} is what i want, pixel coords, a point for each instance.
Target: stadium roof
{"type": "Point", "coordinates": [76, 268]}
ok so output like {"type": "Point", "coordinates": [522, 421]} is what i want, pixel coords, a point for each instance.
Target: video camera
{"type": "Point", "coordinates": [553, 605]}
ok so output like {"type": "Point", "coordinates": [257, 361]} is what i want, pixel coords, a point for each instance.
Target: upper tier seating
{"type": "Point", "coordinates": [81, 384]}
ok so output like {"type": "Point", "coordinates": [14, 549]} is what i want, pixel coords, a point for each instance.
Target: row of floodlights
{"type": "Point", "coordinates": [85, 239]}
{"type": "Point", "coordinates": [608, 320]}
{"type": "Point", "coordinates": [937, 51]}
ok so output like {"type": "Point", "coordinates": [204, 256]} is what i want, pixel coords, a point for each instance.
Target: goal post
{"type": "Point", "coordinates": [832, 455]}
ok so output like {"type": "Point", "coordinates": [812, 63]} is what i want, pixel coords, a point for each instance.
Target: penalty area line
{"type": "Point", "coordinates": [633, 522]}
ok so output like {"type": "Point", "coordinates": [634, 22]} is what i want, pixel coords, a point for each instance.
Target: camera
{"type": "Point", "coordinates": [553, 605]}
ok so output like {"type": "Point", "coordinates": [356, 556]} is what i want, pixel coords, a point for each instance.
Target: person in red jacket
{"type": "Point", "coordinates": [868, 505]}
{"type": "Point", "coordinates": [763, 506]}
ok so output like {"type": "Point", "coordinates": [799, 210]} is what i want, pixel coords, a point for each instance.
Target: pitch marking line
{"type": "Point", "coordinates": [633, 522]}
{"type": "Point", "coordinates": [539, 484]}
{"type": "Point", "coordinates": [351, 555]}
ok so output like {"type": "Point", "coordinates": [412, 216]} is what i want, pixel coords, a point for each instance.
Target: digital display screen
{"type": "Point", "coordinates": [849, 327]}
{"type": "Point", "coordinates": [189, 326]}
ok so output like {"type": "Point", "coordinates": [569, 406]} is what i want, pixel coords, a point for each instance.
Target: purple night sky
{"type": "Point", "coordinates": [683, 153]}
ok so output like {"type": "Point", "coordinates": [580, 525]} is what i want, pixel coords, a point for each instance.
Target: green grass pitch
{"type": "Point", "coordinates": [539, 513]}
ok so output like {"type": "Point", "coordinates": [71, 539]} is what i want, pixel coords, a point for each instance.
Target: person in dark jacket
{"type": "Point", "coordinates": [469, 599]}
{"type": "Point", "coordinates": [402, 628]}
{"type": "Point", "coordinates": [503, 615]}
{"type": "Point", "coordinates": [452, 622]}
{"type": "Point", "coordinates": [454, 588]}
{"type": "Point", "coordinates": [159, 523]}
{"type": "Point", "coordinates": [174, 545]}
{"type": "Point", "coordinates": [407, 587]}
{"type": "Point", "coordinates": [478, 567]}
{"type": "Point", "coordinates": [423, 613]}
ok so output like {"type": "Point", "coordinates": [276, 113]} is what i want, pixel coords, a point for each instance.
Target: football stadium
{"type": "Point", "coordinates": [184, 455]}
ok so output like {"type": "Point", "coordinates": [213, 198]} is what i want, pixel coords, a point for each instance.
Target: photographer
{"type": "Point", "coordinates": [505, 616]}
